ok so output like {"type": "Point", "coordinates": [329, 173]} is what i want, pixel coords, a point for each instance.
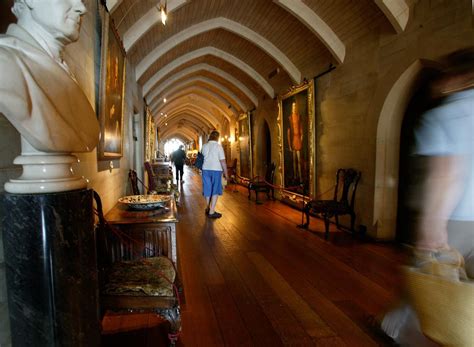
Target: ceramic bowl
{"type": "Point", "coordinates": [145, 202]}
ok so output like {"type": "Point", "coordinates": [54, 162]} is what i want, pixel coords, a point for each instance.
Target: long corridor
{"type": "Point", "coordinates": [253, 278]}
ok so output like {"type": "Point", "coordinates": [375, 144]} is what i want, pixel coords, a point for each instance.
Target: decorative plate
{"type": "Point", "coordinates": [145, 202]}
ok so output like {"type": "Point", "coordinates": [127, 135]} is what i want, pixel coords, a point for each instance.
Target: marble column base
{"type": "Point", "coordinates": [51, 268]}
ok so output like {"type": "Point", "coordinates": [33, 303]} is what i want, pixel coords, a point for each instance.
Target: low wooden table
{"type": "Point", "coordinates": [153, 231]}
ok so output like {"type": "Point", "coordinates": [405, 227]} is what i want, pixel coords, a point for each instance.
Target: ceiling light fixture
{"type": "Point", "coordinates": [163, 11]}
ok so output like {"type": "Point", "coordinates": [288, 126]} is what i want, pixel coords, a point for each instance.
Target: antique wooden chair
{"type": "Point", "coordinates": [263, 186]}
{"type": "Point", "coordinates": [152, 179]}
{"type": "Point", "coordinates": [133, 178]}
{"type": "Point", "coordinates": [136, 270]}
{"type": "Point", "coordinates": [232, 169]}
{"type": "Point", "coordinates": [342, 202]}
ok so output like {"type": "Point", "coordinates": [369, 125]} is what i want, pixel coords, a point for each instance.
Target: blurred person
{"type": "Point", "coordinates": [445, 232]}
{"type": "Point", "coordinates": [446, 138]}
{"type": "Point", "coordinates": [178, 158]}
{"type": "Point", "coordinates": [213, 168]}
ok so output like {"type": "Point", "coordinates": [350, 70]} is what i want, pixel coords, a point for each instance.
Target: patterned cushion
{"type": "Point", "coordinates": [142, 277]}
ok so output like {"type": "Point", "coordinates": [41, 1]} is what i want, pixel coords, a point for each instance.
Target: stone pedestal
{"type": "Point", "coordinates": [51, 268]}
{"type": "Point", "coordinates": [44, 172]}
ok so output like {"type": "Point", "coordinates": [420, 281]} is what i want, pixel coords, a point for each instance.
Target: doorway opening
{"type": "Point", "coordinates": [411, 168]}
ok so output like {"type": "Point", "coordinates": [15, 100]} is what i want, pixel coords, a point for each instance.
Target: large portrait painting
{"type": "Point", "coordinates": [245, 145]}
{"type": "Point", "coordinates": [112, 90]}
{"type": "Point", "coordinates": [296, 122]}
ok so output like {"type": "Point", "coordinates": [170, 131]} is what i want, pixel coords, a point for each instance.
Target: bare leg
{"type": "Point", "coordinates": [212, 207]}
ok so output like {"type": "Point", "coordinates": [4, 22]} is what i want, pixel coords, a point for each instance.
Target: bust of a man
{"type": "Point", "coordinates": [38, 94]}
{"type": "Point", "coordinates": [41, 97]}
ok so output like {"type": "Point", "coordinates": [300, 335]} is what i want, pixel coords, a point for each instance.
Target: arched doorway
{"type": "Point", "coordinates": [402, 87]}
{"type": "Point", "coordinates": [411, 169]}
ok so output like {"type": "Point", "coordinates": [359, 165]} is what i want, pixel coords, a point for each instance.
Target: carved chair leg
{"type": "Point", "coordinates": [306, 212]}
{"type": "Point", "coordinates": [337, 221]}
{"type": "Point", "coordinates": [353, 217]}
{"type": "Point", "coordinates": [256, 198]}
{"type": "Point", "coordinates": [326, 225]}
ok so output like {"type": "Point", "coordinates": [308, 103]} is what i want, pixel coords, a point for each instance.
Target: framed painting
{"type": "Point", "coordinates": [112, 89]}
{"type": "Point", "coordinates": [296, 129]}
{"type": "Point", "coordinates": [245, 145]}
{"type": "Point", "coordinates": [149, 135]}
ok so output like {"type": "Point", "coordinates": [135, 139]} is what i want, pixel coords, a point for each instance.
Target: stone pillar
{"type": "Point", "coordinates": [51, 268]}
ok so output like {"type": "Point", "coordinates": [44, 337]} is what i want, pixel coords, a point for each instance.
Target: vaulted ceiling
{"type": "Point", "coordinates": [215, 59]}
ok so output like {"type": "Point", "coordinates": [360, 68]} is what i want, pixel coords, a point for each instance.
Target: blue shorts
{"type": "Point", "coordinates": [211, 183]}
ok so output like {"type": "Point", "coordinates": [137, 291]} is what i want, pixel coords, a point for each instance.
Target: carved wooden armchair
{"type": "Point", "coordinates": [263, 186]}
{"type": "Point", "coordinates": [342, 202]}
{"type": "Point", "coordinates": [133, 178]}
{"type": "Point", "coordinates": [152, 179]}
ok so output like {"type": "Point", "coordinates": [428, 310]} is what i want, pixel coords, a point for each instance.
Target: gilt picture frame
{"type": "Point", "coordinates": [245, 144]}
{"type": "Point", "coordinates": [296, 122]}
{"type": "Point", "coordinates": [112, 90]}
{"type": "Point", "coordinates": [149, 135]}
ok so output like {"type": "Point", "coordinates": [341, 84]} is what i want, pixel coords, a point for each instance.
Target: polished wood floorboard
{"type": "Point", "coordinates": [252, 278]}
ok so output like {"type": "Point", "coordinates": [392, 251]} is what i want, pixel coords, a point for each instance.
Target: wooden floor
{"type": "Point", "coordinates": [253, 278]}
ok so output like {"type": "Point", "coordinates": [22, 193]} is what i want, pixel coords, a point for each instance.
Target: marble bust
{"type": "Point", "coordinates": [40, 96]}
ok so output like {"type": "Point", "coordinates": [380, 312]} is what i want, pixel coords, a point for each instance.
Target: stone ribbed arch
{"type": "Point", "coordinates": [396, 11]}
{"type": "Point", "coordinates": [182, 60]}
{"type": "Point", "coordinates": [184, 137]}
{"type": "Point", "coordinates": [220, 23]}
{"type": "Point", "coordinates": [190, 122]}
{"type": "Point", "coordinates": [317, 26]}
{"type": "Point", "coordinates": [177, 81]}
{"type": "Point", "coordinates": [189, 87]}
{"type": "Point", "coordinates": [188, 115]}
{"type": "Point", "coordinates": [196, 99]}
{"type": "Point", "coordinates": [206, 119]}
{"type": "Point", "coordinates": [214, 70]}
{"type": "Point", "coordinates": [146, 22]}
{"type": "Point", "coordinates": [189, 129]}
{"type": "Point", "coordinates": [197, 90]}
{"type": "Point", "coordinates": [195, 110]}
{"type": "Point", "coordinates": [197, 120]}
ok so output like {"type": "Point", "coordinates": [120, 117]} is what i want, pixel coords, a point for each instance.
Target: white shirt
{"type": "Point", "coordinates": [213, 154]}
{"type": "Point", "coordinates": [449, 130]}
